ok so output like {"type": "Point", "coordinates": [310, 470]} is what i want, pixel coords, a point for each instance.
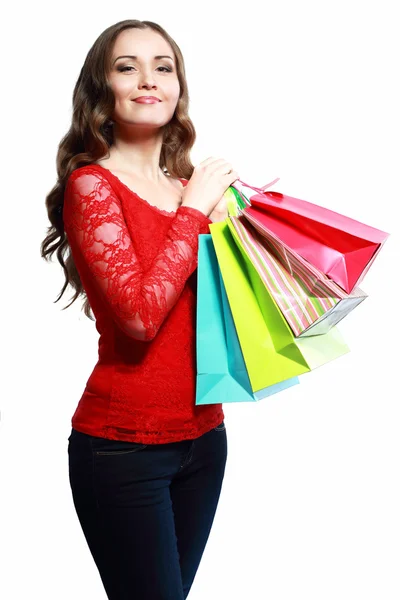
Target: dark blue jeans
{"type": "Point", "coordinates": [146, 510]}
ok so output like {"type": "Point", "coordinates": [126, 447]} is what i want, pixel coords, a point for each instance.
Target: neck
{"type": "Point", "coordinates": [138, 153]}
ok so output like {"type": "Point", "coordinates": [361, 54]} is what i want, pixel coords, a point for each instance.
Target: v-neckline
{"type": "Point", "coordinates": [161, 211]}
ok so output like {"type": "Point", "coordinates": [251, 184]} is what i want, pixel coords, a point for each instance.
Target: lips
{"type": "Point", "coordinates": [146, 99]}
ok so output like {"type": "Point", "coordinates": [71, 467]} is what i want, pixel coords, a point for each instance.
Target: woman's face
{"type": "Point", "coordinates": [139, 73]}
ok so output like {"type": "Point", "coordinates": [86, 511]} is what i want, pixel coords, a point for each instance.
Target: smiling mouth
{"type": "Point", "coordinates": [146, 99]}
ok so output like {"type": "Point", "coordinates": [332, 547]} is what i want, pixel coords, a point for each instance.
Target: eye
{"type": "Point", "coordinates": [167, 69]}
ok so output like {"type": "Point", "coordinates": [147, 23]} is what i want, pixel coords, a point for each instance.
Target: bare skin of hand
{"type": "Point", "coordinates": [220, 212]}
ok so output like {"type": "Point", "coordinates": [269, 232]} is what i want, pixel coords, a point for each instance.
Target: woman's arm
{"type": "Point", "coordinates": [138, 300]}
{"type": "Point", "coordinates": [220, 212]}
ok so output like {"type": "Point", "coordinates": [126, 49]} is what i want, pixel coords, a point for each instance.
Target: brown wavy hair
{"type": "Point", "coordinates": [91, 135]}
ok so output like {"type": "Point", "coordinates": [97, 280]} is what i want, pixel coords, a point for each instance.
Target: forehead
{"type": "Point", "coordinates": [144, 43]}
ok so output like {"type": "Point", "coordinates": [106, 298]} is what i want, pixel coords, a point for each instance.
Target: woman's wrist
{"type": "Point", "coordinates": [218, 215]}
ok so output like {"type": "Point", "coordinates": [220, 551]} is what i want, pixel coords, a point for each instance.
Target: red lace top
{"type": "Point", "coordinates": [137, 264]}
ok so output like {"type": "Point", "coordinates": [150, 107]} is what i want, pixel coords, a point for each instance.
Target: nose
{"type": "Point", "coordinates": [146, 79]}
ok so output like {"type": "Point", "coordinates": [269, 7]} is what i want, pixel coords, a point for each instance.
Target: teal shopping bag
{"type": "Point", "coordinates": [221, 370]}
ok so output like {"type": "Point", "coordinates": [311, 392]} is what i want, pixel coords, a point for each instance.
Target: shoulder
{"type": "Point", "coordinates": [89, 184]}
{"type": "Point", "coordinates": [85, 170]}
{"type": "Point", "coordinates": [87, 178]}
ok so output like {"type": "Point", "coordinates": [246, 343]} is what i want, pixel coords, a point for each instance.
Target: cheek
{"type": "Point", "coordinates": [173, 91]}
{"type": "Point", "coordinates": [122, 89]}
{"type": "Point", "coordinates": [119, 85]}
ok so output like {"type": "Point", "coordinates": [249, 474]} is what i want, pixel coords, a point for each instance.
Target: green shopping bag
{"type": "Point", "coordinates": [270, 350]}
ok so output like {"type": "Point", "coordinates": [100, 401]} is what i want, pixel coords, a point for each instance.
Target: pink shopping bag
{"type": "Point", "coordinates": [339, 246]}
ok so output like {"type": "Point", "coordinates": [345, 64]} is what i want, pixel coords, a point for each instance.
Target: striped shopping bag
{"type": "Point", "coordinates": [310, 302]}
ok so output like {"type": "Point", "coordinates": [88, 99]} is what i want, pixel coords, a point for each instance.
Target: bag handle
{"type": "Point", "coordinates": [260, 190]}
{"type": "Point", "coordinates": [239, 201]}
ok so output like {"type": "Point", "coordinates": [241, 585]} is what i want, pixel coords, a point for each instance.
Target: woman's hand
{"type": "Point", "coordinates": [209, 181]}
{"type": "Point", "coordinates": [220, 212]}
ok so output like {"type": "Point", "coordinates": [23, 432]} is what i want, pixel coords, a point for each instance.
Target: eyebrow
{"type": "Point", "coordinates": [135, 57]}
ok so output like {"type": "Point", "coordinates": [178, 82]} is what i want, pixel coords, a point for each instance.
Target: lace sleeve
{"type": "Point", "coordinates": [138, 301]}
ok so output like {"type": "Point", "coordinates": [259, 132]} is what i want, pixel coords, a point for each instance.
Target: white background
{"type": "Point", "coordinates": [304, 91]}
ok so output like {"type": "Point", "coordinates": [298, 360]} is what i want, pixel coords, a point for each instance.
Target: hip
{"type": "Point", "coordinates": [99, 459]}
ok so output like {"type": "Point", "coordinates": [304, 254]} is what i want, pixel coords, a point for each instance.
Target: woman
{"type": "Point", "coordinates": [146, 464]}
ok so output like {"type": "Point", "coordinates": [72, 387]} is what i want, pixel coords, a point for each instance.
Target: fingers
{"type": "Point", "coordinates": [218, 164]}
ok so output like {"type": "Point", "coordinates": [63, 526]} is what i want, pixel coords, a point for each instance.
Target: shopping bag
{"type": "Point", "coordinates": [310, 302]}
{"type": "Point", "coordinates": [271, 352]}
{"type": "Point", "coordinates": [221, 371]}
{"type": "Point", "coordinates": [339, 246]}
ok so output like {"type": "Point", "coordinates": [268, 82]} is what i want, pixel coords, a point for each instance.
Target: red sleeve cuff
{"type": "Point", "coordinates": [204, 221]}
